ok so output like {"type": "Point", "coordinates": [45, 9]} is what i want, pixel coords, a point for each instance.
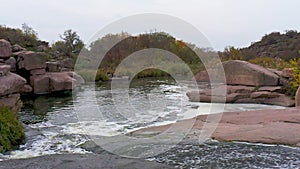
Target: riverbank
{"type": "Point", "coordinates": [280, 126]}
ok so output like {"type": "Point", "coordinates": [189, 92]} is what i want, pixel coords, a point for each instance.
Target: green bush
{"type": "Point", "coordinates": [11, 130]}
{"type": "Point", "coordinates": [268, 62]}
{"type": "Point", "coordinates": [295, 63]}
{"type": "Point", "coordinates": [151, 73]}
{"type": "Point", "coordinates": [101, 76]}
{"type": "Point", "coordinates": [91, 75]}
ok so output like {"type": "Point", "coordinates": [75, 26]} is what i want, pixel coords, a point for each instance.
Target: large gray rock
{"type": "Point", "coordinates": [5, 49]}
{"type": "Point", "coordinates": [12, 102]}
{"type": "Point", "coordinates": [17, 48]}
{"type": "Point", "coordinates": [29, 60]}
{"type": "Point", "coordinates": [26, 89]}
{"type": "Point", "coordinates": [12, 83]}
{"type": "Point", "coordinates": [78, 78]}
{"type": "Point", "coordinates": [244, 73]}
{"type": "Point", "coordinates": [12, 62]}
{"type": "Point", "coordinates": [53, 67]}
{"type": "Point", "coordinates": [55, 82]}
{"type": "Point", "coordinates": [60, 81]}
{"type": "Point", "coordinates": [202, 76]}
{"type": "Point", "coordinates": [40, 84]}
{"type": "Point", "coordinates": [67, 63]}
{"type": "Point", "coordinates": [4, 69]}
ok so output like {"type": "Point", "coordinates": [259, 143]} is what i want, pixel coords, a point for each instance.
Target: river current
{"type": "Point", "coordinates": [52, 125]}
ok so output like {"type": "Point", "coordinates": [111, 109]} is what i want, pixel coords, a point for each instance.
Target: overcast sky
{"type": "Point", "coordinates": [223, 22]}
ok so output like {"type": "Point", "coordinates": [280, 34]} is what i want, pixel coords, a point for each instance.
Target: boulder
{"type": "Point", "coordinates": [244, 73]}
{"type": "Point", "coordinates": [12, 62]}
{"type": "Point", "coordinates": [60, 81]}
{"type": "Point", "coordinates": [4, 69]}
{"type": "Point", "coordinates": [17, 48]}
{"type": "Point", "coordinates": [202, 76]}
{"type": "Point", "coordinates": [5, 49]}
{"type": "Point", "coordinates": [36, 72]}
{"type": "Point", "coordinates": [12, 102]}
{"type": "Point", "coordinates": [53, 67]}
{"type": "Point", "coordinates": [67, 63]}
{"type": "Point", "coordinates": [29, 60]}
{"type": "Point", "coordinates": [297, 99]}
{"type": "Point", "coordinates": [77, 77]}
{"type": "Point", "coordinates": [26, 89]}
{"type": "Point", "coordinates": [54, 82]}
{"type": "Point", "coordinates": [40, 84]}
{"type": "Point", "coordinates": [12, 83]}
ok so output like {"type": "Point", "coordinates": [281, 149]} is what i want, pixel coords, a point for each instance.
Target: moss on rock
{"type": "Point", "coordinates": [11, 130]}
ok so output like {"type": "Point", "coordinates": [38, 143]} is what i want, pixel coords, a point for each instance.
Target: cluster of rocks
{"type": "Point", "coordinates": [245, 83]}
{"type": "Point", "coordinates": [28, 72]}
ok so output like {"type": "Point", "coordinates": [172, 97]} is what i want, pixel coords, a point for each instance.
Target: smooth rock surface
{"type": "Point", "coordinates": [4, 69]}
{"type": "Point", "coordinates": [13, 102]}
{"type": "Point", "coordinates": [29, 60]}
{"type": "Point", "coordinates": [26, 89]}
{"type": "Point", "coordinates": [5, 49]}
{"type": "Point", "coordinates": [12, 62]}
{"type": "Point", "coordinates": [60, 81]}
{"type": "Point", "coordinates": [17, 48]}
{"type": "Point", "coordinates": [12, 83]}
{"type": "Point", "coordinates": [279, 126]}
{"type": "Point", "coordinates": [40, 84]}
{"type": "Point", "coordinates": [53, 67]}
{"type": "Point", "coordinates": [244, 73]}
{"type": "Point", "coordinates": [242, 94]}
{"type": "Point", "coordinates": [55, 82]}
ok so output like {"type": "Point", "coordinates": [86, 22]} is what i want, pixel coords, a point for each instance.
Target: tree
{"type": "Point", "coordinates": [72, 42]}
{"type": "Point", "coordinates": [28, 31]}
{"type": "Point", "coordinates": [231, 53]}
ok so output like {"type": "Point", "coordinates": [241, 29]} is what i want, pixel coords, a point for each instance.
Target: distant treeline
{"type": "Point", "coordinates": [275, 50]}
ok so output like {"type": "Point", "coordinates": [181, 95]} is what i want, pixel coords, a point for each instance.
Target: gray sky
{"type": "Point", "coordinates": [223, 22]}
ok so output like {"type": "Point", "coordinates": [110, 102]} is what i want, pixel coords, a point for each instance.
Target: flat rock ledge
{"type": "Point", "coordinates": [80, 161]}
{"type": "Point", "coordinates": [242, 94]}
{"type": "Point", "coordinates": [280, 126]}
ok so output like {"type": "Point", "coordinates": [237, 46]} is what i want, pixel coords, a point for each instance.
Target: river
{"type": "Point", "coordinates": [52, 125]}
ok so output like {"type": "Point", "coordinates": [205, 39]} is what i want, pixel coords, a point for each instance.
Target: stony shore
{"type": "Point", "coordinates": [280, 126]}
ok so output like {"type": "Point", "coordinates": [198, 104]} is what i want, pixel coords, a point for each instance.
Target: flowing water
{"type": "Point", "coordinates": [53, 126]}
